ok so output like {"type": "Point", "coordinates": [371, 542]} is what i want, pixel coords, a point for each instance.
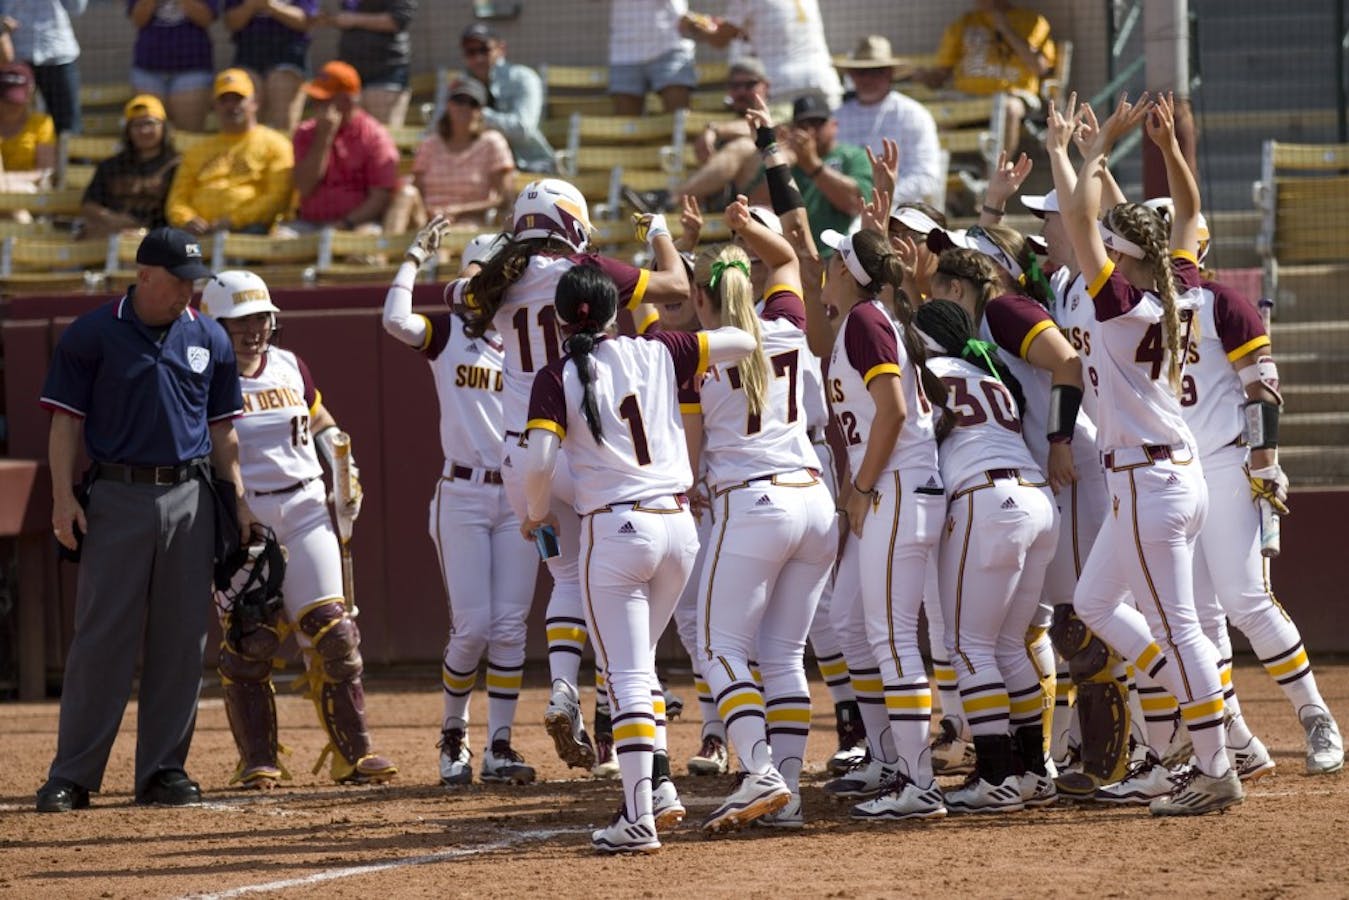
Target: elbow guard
{"type": "Point", "coordinates": [1064, 402]}
{"type": "Point", "coordinates": [1260, 424]}
{"type": "Point", "coordinates": [782, 190]}
{"type": "Point", "coordinates": [324, 442]}
{"type": "Point", "coordinates": [1264, 373]}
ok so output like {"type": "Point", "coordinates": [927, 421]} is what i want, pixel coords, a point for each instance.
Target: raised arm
{"type": "Point", "coordinates": [1084, 208]}
{"type": "Point", "coordinates": [771, 248]}
{"type": "Point", "coordinates": [398, 318]}
{"type": "Point", "coordinates": [1161, 127]}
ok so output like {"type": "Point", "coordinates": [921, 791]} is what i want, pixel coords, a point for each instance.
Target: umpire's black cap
{"type": "Point", "coordinates": [175, 250]}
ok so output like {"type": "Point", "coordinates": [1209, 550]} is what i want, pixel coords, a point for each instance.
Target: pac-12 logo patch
{"type": "Point", "coordinates": [198, 358]}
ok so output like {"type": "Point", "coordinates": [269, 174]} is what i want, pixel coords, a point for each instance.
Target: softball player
{"type": "Point", "coordinates": [1231, 375]}
{"type": "Point", "coordinates": [629, 467]}
{"type": "Point", "coordinates": [1000, 533]}
{"type": "Point", "coordinates": [513, 294]}
{"type": "Point", "coordinates": [895, 504]}
{"type": "Point", "coordinates": [1158, 496]}
{"type": "Point", "coordinates": [283, 422]}
{"type": "Point", "coordinates": [488, 575]}
{"type": "Point", "coordinates": [756, 602]}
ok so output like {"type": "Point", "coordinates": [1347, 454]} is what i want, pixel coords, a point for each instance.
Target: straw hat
{"type": "Point", "coordinates": [872, 52]}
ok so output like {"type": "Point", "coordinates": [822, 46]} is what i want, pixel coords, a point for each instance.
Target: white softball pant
{"type": "Point", "coordinates": [313, 560]}
{"type": "Point", "coordinates": [1000, 535]}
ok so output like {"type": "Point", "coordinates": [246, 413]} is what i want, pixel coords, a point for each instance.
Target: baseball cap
{"type": "Point", "coordinates": [175, 250]}
{"type": "Point", "coordinates": [144, 106]}
{"type": "Point", "coordinates": [479, 32]}
{"type": "Point", "coordinates": [973, 238]}
{"type": "Point", "coordinates": [235, 294]}
{"type": "Point", "coordinates": [16, 83]}
{"type": "Point", "coordinates": [811, 107]}
{"type": "Point", "coordinates": [471, 88]}
{"type": "Point", "coordinates": [233, 81]}
{"type": "Point", "coordinates": [1042, 203]}
{"type": "Point", "coordinates": [749, 65]}
{"type": "Point", "coordinates": [336, 77]}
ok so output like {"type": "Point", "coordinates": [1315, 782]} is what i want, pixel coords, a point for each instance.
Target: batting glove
{"type": "Point", "coordinates": [427, 241]}
{"type": "Point", "coordinates": [1270, 484]}
{"type": "Point", "coordinates": [647, 226]}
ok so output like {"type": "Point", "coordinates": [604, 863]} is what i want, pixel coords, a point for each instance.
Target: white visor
{"type": "Point", "coordinates": [767, 218]}
{"type": "Point", "coordinates": [913, 219]}
{"type": "Point", "coordinates": [1119, 243]}
{"type": "Point", "coordinates": [1042, 203]}
{"type": "Point", "coordinates": [941, 239]}
{"type": "Point", "coordinates": [842, 245]}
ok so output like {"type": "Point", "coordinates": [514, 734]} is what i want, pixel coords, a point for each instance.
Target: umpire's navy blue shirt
{"type": "Point", "coordinates": [144, 403]}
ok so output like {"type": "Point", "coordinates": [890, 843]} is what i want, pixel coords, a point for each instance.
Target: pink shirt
{"type": "Point", "coordinates": [363, 157]}
{"type": "Point", "coordinates": [462, 176]}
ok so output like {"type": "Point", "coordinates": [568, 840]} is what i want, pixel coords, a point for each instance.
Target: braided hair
{"type": "Point", "coordinates": [880, 261]}
{"type": "Point", "coordinates": [487, 289]}
{"type": "Point", "coordinates": [1034, 282]}
{"type": "Point", "coordinates": [586, 302]}
{"type": "Point", "coordinates": [723, 274]}
{"type": "Point", "coordinates": [973, 267]}
{"type": "Point", "coordinates": [1141, 225]}
{"type": "Point", "coordinates": [947, 325]}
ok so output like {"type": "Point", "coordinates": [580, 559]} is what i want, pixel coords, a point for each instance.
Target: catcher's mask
{"type": "Point", "coordinates": [254, 591]}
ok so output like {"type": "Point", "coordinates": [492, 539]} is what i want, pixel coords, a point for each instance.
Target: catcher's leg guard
{"type": "Point", "coordinates": [1041, 651]}
{"type": "Point", "coordinates": [335, 674]}
{"type": "Point", "coordinates": [245, 667]}
{"type": "Point", "coordinates": [1102, 704]}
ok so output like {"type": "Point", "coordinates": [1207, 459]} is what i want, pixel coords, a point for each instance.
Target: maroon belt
{"type": "Point", "coordinates": [1002, 474]}
{"type": "Point", "coordinates": [1153, 451]}
{"type": "Point", "coordinates": [489, 476]}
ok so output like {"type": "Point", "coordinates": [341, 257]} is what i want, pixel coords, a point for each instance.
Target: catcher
{"type": "Point", "coordinates": [282, 426]}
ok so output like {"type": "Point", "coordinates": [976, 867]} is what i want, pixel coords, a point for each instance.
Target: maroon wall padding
{"type": "Point", "coordinates": [381, 392]}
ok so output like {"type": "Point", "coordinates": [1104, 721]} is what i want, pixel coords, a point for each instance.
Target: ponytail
{"type": "Point", "coordinates": [1141, 225]}
{"type": "Point", "coordinates": [880, 261]}
{"type": "Point", "coordinates": [723, 273]}
{"type": "Point", "coordinates": [947, 325]}
{"type": "Point", "coordinates": [586, 301]}
{"type": "Point", "coordinates": [487, 289]}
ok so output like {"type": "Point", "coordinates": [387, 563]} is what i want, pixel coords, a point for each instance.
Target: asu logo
{"type": "Point", "coordinates": [1114, 502]}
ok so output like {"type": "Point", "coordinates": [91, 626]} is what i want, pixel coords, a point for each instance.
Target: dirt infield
{"type": "Point", "coordinates": [415, 839]}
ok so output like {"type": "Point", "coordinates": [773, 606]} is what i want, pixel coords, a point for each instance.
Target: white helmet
{"type": "Point", "coordinates": [482, 248]}
{"type": "Point", "coordinates": [235, 294]}
{"type": "Point", "coordinates": [550, 207]}
{"type": "Point", "coordinates": [1166, 209]}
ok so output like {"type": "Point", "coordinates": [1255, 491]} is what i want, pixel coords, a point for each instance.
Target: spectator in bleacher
{"type": "Point", "coordinates": [27, 137]}
{"type": "Point", "coordinates": [461, 172]}
{"type": "Point", "coordinates": [788, 35]}
{"type": "Point", "coordinates": [997, 48]}
{"type": "Point", "coordinates": [377, 42]}
{"type": "Point", "coordinates": [647, 53]}
{"type": "Point", "coordinates": [271, 41]}
{"type": "Point", "coordinates": [239, 179]}
{"type": "Point", "coordinates": [514, 104]}
{"type": "Point", "coordinates": [173, 59]}
{"type": "Point", "coordinates": [834, 177]}
{"type": "Point", "coordinates": [346, 164]}
{"type": "Point", "coordinates": [43, 38]}
{"type": "Point", "coordinates": [725, 150]}
{"type": "Point", "coordinates": [876, 112]}
{"type": "Point", "coordinates": [129, 190]}
{"type": "Point", "coordinates": [7, 26]}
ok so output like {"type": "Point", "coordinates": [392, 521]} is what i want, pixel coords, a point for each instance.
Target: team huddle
{"type": "Point", "coordinates": [1061, 449]}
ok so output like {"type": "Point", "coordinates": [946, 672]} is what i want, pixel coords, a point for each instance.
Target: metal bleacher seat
{"type": "Point", "coordinates": [50, 262]}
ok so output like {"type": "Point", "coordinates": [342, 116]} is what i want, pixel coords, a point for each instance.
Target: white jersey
{"type": "Point", "coordinates": [738, 446]}
{"type": "Point", "coordinates": [529, 328]}
{"type": "Point", "coordinates": [636, 385]}
{"type": "Point", "coordinates": [469, 383]}
{"type": "Point", "coordinates": [788, 37]}
{"type": "Point", "coordinates": [816, 407]}
{"type": "Point", "coordinates": [1228, 326]}
{"type": "Point", "coordinates": [275, 447]}
{"type": "Point", "coordinates": [1129, 361]}
{"type": "Point", "coordinates": [988, 429]}
{"type": "Point", "coordinates": [1012, 322]}
{"type": "Point", "coordinates": [868, 345]}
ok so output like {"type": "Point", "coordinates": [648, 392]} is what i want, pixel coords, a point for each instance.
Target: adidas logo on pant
{"type": "Point", "coordinates": [1009, 503]}
{"type": "Point", "coordinates": [627, 529]}
{"type": "Point", "coordinates": [763, 501]}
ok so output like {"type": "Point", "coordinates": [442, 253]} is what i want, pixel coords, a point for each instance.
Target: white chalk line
{"type": "Point", "coordinates": [371, 868]}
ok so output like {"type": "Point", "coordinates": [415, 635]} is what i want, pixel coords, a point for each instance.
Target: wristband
{"type": "Point", "coordinates": [764, 137]}
{"type": "Point", "coordinates": [992, 211]}
{"type": "Point", "coordinates": [782, 191]}
{"type": "Point", "coordinates": [870, 493]}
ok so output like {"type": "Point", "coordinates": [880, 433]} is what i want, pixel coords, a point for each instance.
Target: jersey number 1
{"type": "Point", "coordinates": [632, 414]}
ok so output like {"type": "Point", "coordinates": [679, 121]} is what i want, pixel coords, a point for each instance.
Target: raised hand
{"type": "Point", "coordinates": [885, 169]}
{"type": "Point", "coordinates": [876, 212]}
{"type": "Point", "coordinates": [1088, 129]}
{"type": "Point", "coordinates": [648, 226]}
{"type": "Point", "coordinates": [1161, 121]}
{"type": "Point", "coordinates": [758, 114]}
{"type": "Point", "coordinates": [1006, 179]}
{"type": "Point", "coordinates": [691, 224]}
{"type": "Point", "coordinates": [1064, 125]}
{"type": "Point", "coordinates": [1123, 120]}
{"type": "Point", "coordinates": [737, 213]}
{"type": "Point", "coordinates": [428, 240]}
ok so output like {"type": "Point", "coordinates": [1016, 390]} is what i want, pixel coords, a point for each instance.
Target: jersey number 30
{"type": "Point", "coordinates": [971, 410]}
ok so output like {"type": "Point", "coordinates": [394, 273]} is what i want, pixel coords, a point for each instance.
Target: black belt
{"type": "Point", "coordinates": [288, 489]}
{"type": "Point", "coordinates": [489, 476]}
{"type": "Point", "coordinates": [164, 476]}
{"type": "Point", "coordinates": [1153, 451]}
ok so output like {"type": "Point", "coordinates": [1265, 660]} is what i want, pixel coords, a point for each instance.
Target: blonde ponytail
{"type": "Point", "coordinates": [723, 272]}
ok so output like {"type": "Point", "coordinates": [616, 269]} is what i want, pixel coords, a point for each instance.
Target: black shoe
{"type": "Point", "coordinates": [171, 787]}
{"type": "Point", "coordinates": [59, 795]}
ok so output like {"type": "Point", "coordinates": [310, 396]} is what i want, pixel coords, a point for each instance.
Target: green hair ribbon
{"type": "Point", "coordinates": [719, 268]}
{"type": "Point", "coordinates": [975, 347]}
{"type": "Point", "coordinates": [1036, 275]}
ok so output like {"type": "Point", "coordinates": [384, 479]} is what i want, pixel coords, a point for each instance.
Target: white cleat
{"type": "Point", "coordinates": [1325, 748]}
{"type": "Point", "coordinates": [951, 754]}
{"type": "Point", "coordinates": [456, 760]}
{"type": "Point", "coordinates": [1197, 793]}
{"type": "Point", "coordinates": [754, 796]}
{"type": "Point", "coordinates": [1252, 761]}
{"type": "Point", "coordinates": [712, 758]}
{"type": "Point", "coordinates": [846, 759]}
{"type": "Point", "coordinates": [979, 796]}
{"type": "Point", "coordinates": [665, 806]}
{"type": "Point", "coordinates": [565, 726]}
{"type": "Point", "coordinates": [502, 765]}
{"type": "Point", "coordinates": [862, 783]}
{"type": "Point", "coordinates": [903, 800]}
{"type": "Point", "coordinates": [624, 836]}
{"type": "Point", "coordinates": [1144, 781]}
{"type": "Point", "coordinates": [789, 817]}
{"type": "Point", "coordinates": [606, 761]}
{"type": "Point", "coordinates": [1037, 790]}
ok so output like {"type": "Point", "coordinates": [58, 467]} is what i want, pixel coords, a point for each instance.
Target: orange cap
{"type": "Point", "coordinates": [233, 81]}
{"type": "Point", "coordinates": [142, 106]}
{"type": "Point", "coordinates": [334, 78]}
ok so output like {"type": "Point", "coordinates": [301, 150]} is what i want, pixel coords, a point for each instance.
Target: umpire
{"type": "Point", "coordinates": [153, 387]}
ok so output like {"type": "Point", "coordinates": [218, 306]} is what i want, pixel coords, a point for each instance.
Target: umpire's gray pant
{"type": "Point", "coordinates": [145, 571]}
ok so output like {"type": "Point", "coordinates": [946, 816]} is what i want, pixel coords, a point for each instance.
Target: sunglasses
{"type": "Point", "coordinates": [463, 100]}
